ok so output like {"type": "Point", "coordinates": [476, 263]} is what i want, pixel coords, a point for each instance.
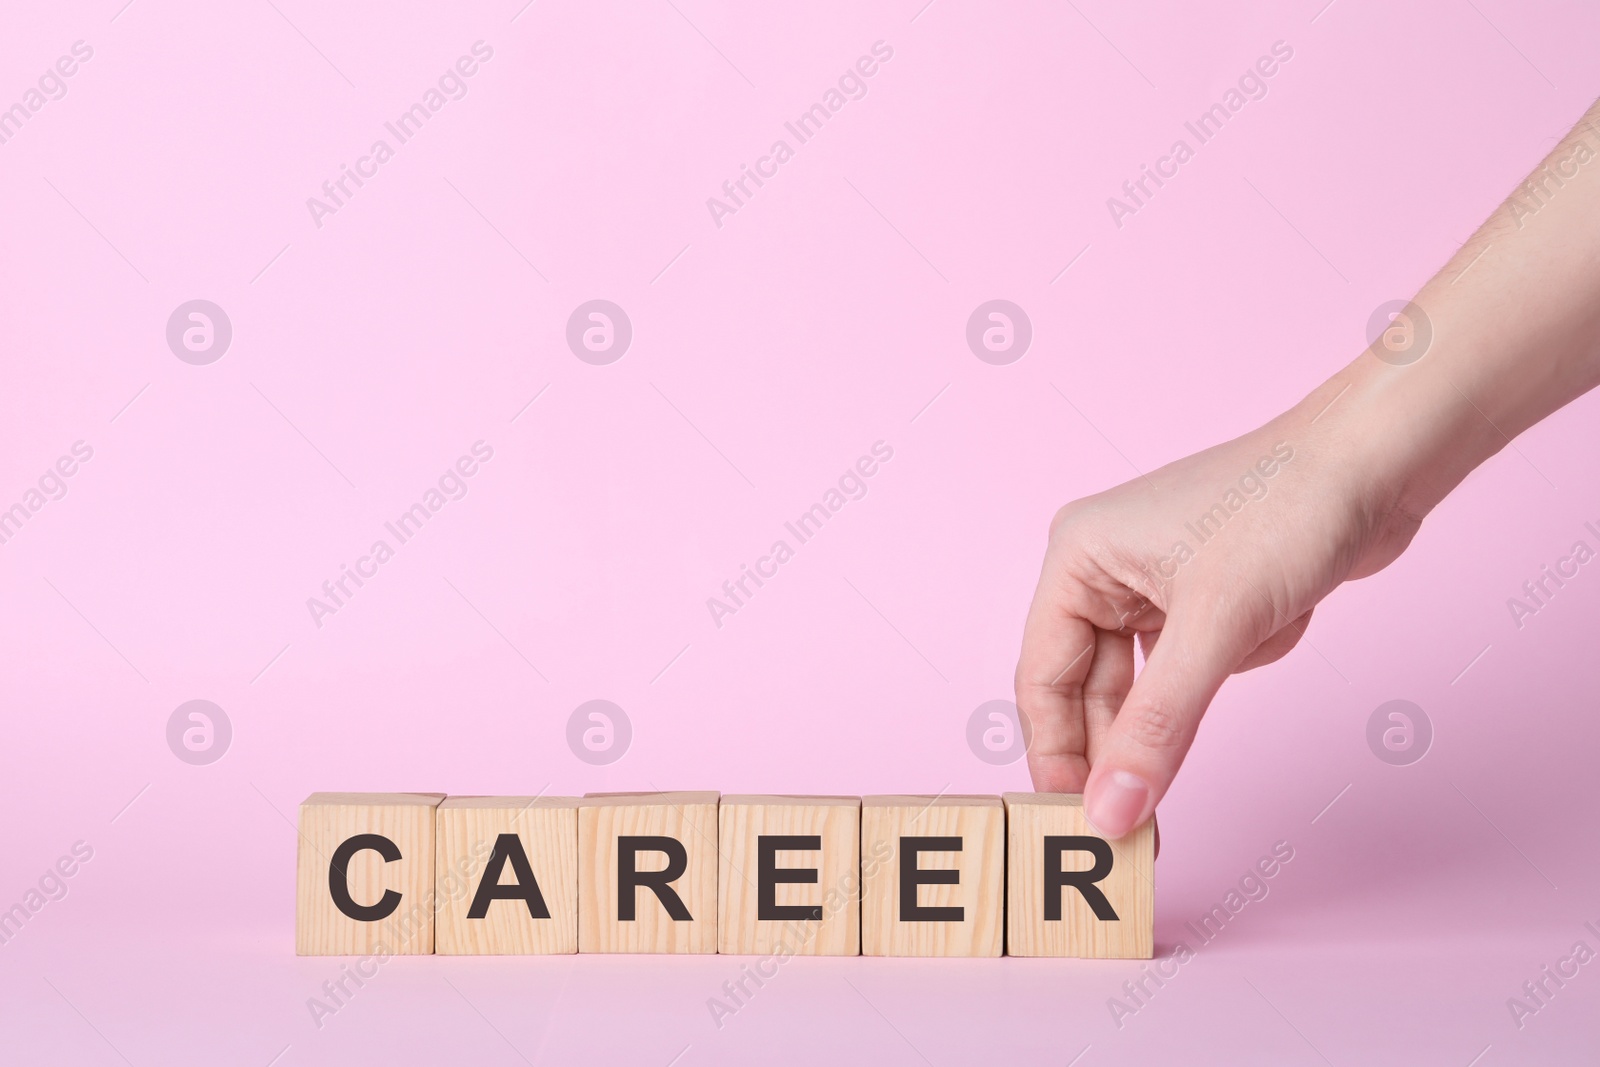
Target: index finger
{"type": "Point", "coordinates": [1057, 651]}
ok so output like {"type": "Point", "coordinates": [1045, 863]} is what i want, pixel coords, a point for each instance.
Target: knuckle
{"type": "Point", "coordinates": [1158, 727]}
{"type": "Point", "coordinates": [1060, 519]}
{"type": "Point", "coordinates": [1068, 518]}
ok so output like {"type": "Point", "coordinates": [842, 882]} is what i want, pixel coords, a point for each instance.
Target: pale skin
{"type": "Point", "coordinates": [1515, 319]}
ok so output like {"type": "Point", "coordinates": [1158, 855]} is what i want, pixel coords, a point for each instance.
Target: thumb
{"type": "Point", "coordinates": [1141, 753]}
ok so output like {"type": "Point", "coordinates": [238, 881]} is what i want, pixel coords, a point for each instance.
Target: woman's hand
{"type": "Point", "coordinates": [1213, 564]}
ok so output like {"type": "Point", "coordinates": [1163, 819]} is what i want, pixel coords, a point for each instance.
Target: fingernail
{"type": "Point", "coordinates": [1115, 803]}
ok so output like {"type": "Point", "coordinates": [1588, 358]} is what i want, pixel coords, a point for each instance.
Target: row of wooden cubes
{"type": "Point", "coordinates": [417, 873]}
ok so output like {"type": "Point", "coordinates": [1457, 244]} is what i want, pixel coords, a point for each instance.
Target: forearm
{"type": "Point", "coordinates": [1515, 323]}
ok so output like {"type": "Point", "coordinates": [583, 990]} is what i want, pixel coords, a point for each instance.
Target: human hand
{"type": "Point", "coordinates": [1213, 564]}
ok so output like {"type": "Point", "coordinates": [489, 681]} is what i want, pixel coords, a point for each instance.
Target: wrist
{"type": "Point", "coordinates": [1401, 436]}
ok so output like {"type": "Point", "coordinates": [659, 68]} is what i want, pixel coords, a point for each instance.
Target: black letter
{"type": "Point", "coordinates": [339, 878]}
{"type": "Point", "coordinates": [1083, 881]}
{"type": "Point", "coordinates": [912, 876]}
{"type": "Point", "coordinates": [768, 876]}
{"type": "Point", "coordinates": [629, 879]}
{"type": "Point", "coordinates": [508, 848]}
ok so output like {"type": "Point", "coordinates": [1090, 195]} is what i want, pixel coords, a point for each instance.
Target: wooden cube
{"type": "Point", "coordinates": [1071, 892]}
{"type": "Point", "coordinates": [647, 872]}
{"type": "Point", "coordinates": [507, 876]}
{"type": "Point", "coordinates": [789, 875]}
{"type": "Point", "coordinates": [933, 875]}
{"type": "Point", "coordinates": [364, 884]}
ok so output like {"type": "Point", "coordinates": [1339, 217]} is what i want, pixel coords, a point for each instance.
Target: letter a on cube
{"type": "Point", "coordinates": [647, 872]}
{"type": "Point", "coordinates": [1070, 892]}
{"type": "Point", "coordinates": [932, 875]}
{"type": "Point", "coordinates": [507, 876]}
{"type": "Point", "coordinates": [365, 875]}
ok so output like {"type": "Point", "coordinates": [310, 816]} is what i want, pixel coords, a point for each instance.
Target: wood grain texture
{"type": "Point", "coordinates": [1128, 887]}
{"type": "Point", "coordinates": [469, 829]}
{"type": "Point", "coordinates": [979, 823]}
{"type": "Point", "coordinates": [327, 821]}
{"type": "Point", "coordinates": [836, 824]}
{"type": "Point", "coordinates": [689, 818]}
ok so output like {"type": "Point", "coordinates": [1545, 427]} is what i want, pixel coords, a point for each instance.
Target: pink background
{"type": "Point", "coordinates": [768, 354]}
